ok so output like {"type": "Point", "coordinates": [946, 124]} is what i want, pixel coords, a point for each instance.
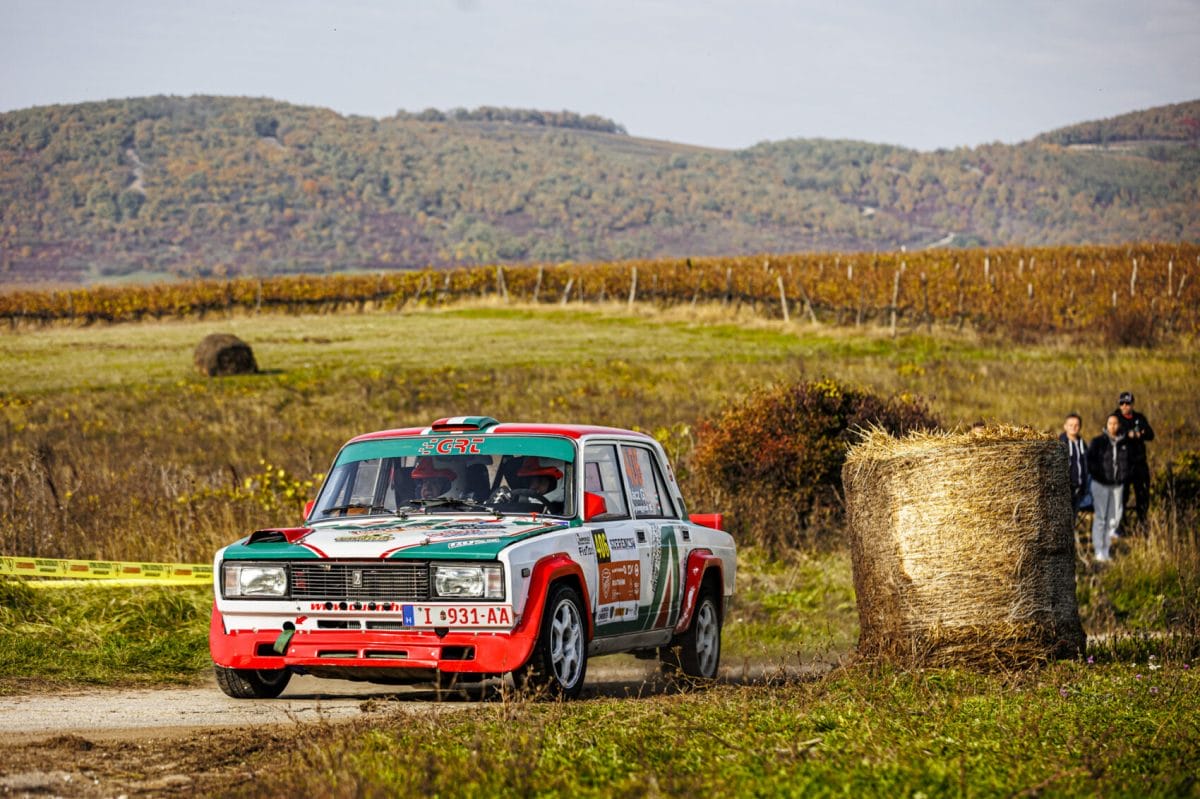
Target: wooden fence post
{"type": "Point", "coordinates": [566, 295]}
{"type": "Point", "coordinates": [501, 285]}
{"type": "Point", "coordinates": [632, 288]}
{"type": "Point", "coordinates": [925, 302]}
{"type": "Point", "coordinates": [896, 295]}
{"type": "Point", "coordinates": [537, 287]}
{"type": "Point", "coordinates": [783, 303]}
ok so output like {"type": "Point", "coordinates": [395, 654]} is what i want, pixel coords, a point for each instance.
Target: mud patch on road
{"type": "Point", "coordinates": [197, 763]}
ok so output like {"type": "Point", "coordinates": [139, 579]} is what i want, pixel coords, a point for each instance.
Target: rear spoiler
{"type": "Point", "coordinates": [714, 520]}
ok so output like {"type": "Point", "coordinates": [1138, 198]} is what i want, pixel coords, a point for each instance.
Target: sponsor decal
{"type": "Point", "coordinates": [365, 538]}
{"type": "Point", "coordinates": [451, 525]}
{"type": "Point", "coordinates": [620, 582]}
{"type": "Point", "coordinates": [622, 543]}
{"type": "Point", "coordinates": [450, 446]}
{"type": "Point", "coordinates": [603, 552]}
{"type": "Point", "coordinates": [586, 548]}
{"type": "Point", "coordinates": [475, 542]}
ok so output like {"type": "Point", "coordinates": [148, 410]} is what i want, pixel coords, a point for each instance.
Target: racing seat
{"type": "Point", "coordinates": [476, 484]}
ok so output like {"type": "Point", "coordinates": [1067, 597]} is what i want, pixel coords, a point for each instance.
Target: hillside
{"type": "Point", "coordinates": [219, 186]}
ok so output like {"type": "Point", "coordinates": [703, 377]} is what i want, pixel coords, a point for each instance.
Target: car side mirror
{"type": "Point", "coordinates": [593, 505]}
{"type": "Point", "coordinates": [714, 520]}
{"type": "Point", "coordinates": [308, 506]}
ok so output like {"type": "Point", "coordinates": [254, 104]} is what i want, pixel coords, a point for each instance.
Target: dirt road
{"type": "Point", "coordinates": [197, 741]}
{"type": "Point", "coordinates": [109, 713]}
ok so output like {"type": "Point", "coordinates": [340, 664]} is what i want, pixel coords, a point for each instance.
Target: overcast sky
{"type": "Point", "coordinates": [924, 74]}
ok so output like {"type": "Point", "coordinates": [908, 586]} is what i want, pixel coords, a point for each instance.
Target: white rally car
{"type": "Point", "coordinates": [471, 549]}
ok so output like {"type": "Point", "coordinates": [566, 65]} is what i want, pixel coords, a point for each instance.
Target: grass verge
{"type": "Point", "coordinates": [96, 635]}
{"type": "Point", "coordinates": [1070, 729]}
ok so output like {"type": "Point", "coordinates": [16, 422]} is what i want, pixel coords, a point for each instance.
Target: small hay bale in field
{"type": "Point", "coordinates": [963, 548]}
{"type": "Point", "coordinates": [220, 354]}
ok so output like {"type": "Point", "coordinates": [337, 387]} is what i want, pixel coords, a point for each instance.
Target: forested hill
{"type": "Point", "coordinates": [216, 186]}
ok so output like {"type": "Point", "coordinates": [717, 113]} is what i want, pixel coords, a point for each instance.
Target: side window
{"type": "Point", "coordinates": [647, 490]}
{"type": "Point", "coordinates": [602, 475]}
{"type": "Point", "coordinates": [365, 483]}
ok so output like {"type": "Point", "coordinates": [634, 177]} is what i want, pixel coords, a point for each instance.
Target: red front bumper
{"type": "Point", "coordinates": [478, 652]}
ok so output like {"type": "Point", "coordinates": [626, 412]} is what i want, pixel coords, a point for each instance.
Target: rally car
{"type": "Point", "coordinates": [471, 549]}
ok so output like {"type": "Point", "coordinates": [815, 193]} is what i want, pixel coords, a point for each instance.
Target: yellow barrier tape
{"type": "Point", "coordinates": [60, 570]}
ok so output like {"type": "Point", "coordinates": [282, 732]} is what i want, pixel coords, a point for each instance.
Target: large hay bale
{"type": "Point", "coordinates": [220, 354]}
{"type": "Point", "coordinates": [963, 548]}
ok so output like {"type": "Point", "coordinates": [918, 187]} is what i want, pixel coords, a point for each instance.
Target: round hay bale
{"type": "Point", "coordinates": [220, 354]}
{"type": "Point", "coordinates": [963, 548]}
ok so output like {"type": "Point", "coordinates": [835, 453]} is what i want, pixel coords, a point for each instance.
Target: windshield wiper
{"type": "Point", "coordinates": [370, 509]}
{"type": "Point", "coordinates": [452, 502]}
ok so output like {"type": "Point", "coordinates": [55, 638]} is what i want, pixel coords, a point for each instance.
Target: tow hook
{"type": "Point", "coordinates": [281, 643]}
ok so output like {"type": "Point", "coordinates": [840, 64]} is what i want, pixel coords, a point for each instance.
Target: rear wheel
{"type": "Point", "coordinates": [697, 653]}
{"type": "Point", "coordinates": [252, 683]}
{"type": "Point", "coordinates": [559, 661]}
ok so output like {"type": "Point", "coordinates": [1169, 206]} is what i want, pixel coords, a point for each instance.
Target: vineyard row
{"type": "Point", "coordinates": [1144, 289]}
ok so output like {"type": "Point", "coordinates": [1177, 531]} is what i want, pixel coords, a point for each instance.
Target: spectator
{"type": "Point", "coordinates": [1108, 464]}
{"type": "Point", "coordinates": [1081, 481]}
{"type": "Point", "coordinates": [1136, 428]}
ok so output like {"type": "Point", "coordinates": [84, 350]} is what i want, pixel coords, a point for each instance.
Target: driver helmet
{"type": "Point", "coordinates": [536, 467]}
{"type": "Point", "coordinates": [433, 476]}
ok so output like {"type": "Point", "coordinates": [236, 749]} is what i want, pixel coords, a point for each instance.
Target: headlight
{"type": "Point", "coordinates": [253, 579]}
{"type": "Point", "coordinates": [480, 581]}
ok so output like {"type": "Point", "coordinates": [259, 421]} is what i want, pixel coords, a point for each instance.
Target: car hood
{"type": "Point", "coordinates": [442, 537]}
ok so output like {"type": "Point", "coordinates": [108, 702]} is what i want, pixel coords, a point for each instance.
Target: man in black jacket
{"type": "Point", "coordinates": [1108, 464]}
{"type": "Point", "coordinates": [1136, 428]}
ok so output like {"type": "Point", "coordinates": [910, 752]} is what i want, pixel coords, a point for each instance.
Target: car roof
{"type": "Point", "coordinates": [572, 431]}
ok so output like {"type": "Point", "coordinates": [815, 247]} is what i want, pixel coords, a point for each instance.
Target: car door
{"type": "Point", "coordinates": [618, 593]}
{"type": "Point", "coordinates": [656, 531]}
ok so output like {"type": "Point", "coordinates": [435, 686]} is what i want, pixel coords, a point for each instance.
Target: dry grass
{"type": "Point", "coordinates": [112, 447]}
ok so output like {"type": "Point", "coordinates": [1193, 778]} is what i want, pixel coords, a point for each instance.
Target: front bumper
{"type": "Point", "coordinates": [396, 651]}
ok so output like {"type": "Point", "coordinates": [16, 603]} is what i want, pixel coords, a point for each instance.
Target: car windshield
{"type": "Point", "coordinates": [457, 473]}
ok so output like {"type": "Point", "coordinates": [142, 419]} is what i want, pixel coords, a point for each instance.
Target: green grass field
{"type": "Point", "coordinates": [113, 447]}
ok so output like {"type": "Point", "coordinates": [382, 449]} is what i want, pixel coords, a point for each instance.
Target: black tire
{"type": "Point", "coordinates": [252, 683]}
{"type": "Point", "coordinates": [558, 664]}
{"type": "Point", "coordinates": [697, 652]}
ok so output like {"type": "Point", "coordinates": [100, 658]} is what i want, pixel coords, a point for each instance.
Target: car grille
{"type": "Point", "coordinates": [395, 581]}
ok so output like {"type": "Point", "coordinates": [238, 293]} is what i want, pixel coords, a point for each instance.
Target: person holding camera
{"type": "Point", "coordinates": [1137, 430]}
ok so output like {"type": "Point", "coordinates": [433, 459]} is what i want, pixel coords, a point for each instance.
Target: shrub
{"type": "Point", "coordinates": [1179, 483]}
{"type": "Point", "coordinates": [773, 461]}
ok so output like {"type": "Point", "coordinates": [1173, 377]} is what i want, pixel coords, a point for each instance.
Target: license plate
{"type": "Point", "coordinates": [458, 616]}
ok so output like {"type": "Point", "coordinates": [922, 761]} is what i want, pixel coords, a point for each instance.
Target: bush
{"type": "Point", "coordinates": [1179, 483]}
{"type": "Point", "coordinates": [773, 462]}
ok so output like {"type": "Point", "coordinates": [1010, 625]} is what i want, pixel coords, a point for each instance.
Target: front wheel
{"type": "Point", "coordinates": [697, 653]}
{"type": "Point", "coordinates": [559, 661]}
{"type": "Point", "coordinates": [252, 683]}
